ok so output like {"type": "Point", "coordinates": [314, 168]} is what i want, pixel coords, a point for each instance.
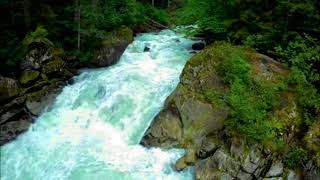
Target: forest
{"type": "Point", "coordinates": [287, 31]}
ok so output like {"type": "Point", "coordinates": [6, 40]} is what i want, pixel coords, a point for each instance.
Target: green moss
{"type": "Point", "coordinates": [28, 76]}
{"type": "Point", "coordinates": [119, 36]}
{"type": "Point", "coordinates": [54, 65]}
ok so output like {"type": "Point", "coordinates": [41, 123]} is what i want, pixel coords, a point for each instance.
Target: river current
{"type": "Point", "coordinates": [93, 129]}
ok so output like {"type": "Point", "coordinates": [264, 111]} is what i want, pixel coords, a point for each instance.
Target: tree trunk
{"type": "Point", "coordinates": [27, 16]}
{"type": "Point", "coordinates": [77, 18]}
{"type": "Point", "coordinates": [153, 3]}
{"type": "Point", "coordinates": [12, 12]}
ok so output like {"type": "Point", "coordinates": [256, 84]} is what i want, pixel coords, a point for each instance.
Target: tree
{"type": "Point", "coordinates": [77, 18]}
{"type": "Point", "coordinates": [27, 16]}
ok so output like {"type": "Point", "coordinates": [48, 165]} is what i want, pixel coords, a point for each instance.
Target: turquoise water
{"type": "Point", "coordinates": [94, 128]}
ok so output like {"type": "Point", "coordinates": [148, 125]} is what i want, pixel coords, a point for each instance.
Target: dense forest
{"type": "Point", "coordinates": [285, 30]}
{"type": "Point", "coordinates": [75, 26]}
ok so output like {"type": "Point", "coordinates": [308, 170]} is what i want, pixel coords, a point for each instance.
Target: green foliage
{"type": "Point", "coordinates": [294, 157]}
{"type": "Point", "coordinates": [208, 15]}
{"type": "Point", "coordinates": [254, 101]}
{"type": "Point", "coordinates": [235, 68]}
{"type": "Point", "coordinates": [39, 36]}
{"type": "Point", "coordinates": [63, 24]}
{"type": "Point", "coordinates": [309, 98]}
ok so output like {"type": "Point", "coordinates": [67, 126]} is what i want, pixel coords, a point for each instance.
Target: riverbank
{"type": "Point", "coordinates": [238, 114]}
{"type": "Point", "coordinates": [95, 125]}
{"type": "Point", "coordinates": [42, 76]}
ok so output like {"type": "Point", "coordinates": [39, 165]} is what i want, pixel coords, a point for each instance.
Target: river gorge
{"type": "Point", "coordinates": [93, 129]}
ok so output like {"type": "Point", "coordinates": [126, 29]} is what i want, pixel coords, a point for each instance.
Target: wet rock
{"type": "Point", "coordinates": [190, 157]}
{"type": "Point", "coordinates": [41, 100]}
{"type": "Point", "coordinates": [165, 131]}
{"type": "Point", "coordinates": [13, 104]}
{"type": "Point", "coordinates": [29, 76]}
{"type": "Point", "coordinates": [12, 129]}
{"type": "Point", "coordinates": [276, 170]}
{"type": "Point", "coordinates": [8, 88]}
{"type": "Point", "coordinates": [198, 46]}
{"type": "Point", "coordinates": [181, 164]}
{"type": "Point", "coordinates": [7, 116]}
{"type": "Point", "coordinates": [146, 49]}
{"type": "Point", "coordinates": [206, 149]}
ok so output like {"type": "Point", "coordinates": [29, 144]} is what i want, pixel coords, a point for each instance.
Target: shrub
{"type": "Point", "coordinates": [294, 157]}
{"type": "Point", "coordinates": [39, 36]}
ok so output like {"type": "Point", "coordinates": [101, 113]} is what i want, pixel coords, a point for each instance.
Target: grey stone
{"type": "Point", "coordinates": [276, 170]}
{"type": "Point", "coordinates": [292, 176]}
{"type": "Point", "coordinates": [249, 166]}
{"type": "Point", "coordinates": [244, 176]}
{"type": "Point", "coordinates": [12, 129]}
{"type": "Point", "coordinates": [206, 149]}
{"type": "Point", "coordinates": [9, 115]}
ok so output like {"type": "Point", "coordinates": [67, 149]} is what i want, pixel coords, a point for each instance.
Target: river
{"type": "Point", "coordinates": [93, 129]}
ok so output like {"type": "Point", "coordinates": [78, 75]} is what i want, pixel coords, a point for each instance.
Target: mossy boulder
{"type": "Point", "coordinates": [54, 66]}
{"type": "Point", "coordinates": [227, 99]}
{"type": "Point", "coordinates": [112, 47]}
{"type": "Point", "coordinates": [29, 76]}
{"type": "Point", "coordinates": [123, 35]}
{"type": "Point", "coordinates": [8, 88]}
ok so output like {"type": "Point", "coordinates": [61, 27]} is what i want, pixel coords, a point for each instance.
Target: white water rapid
{"type": "Point", "coordinates": [93, 130]}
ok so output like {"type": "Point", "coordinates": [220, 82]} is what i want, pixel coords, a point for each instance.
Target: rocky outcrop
{"type": "Point", "coordinates": [113, 46]}
{"type": "Point", "coordinates": [44, 72]}
{"type": "Point", "coordinates": [189, 120]}
{"type": "Point", "coordinates": [29, 76]}
{"type": "Point", "coordinates": [8, 88]}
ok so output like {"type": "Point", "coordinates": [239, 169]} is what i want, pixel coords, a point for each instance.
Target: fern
{"type": "Point", "coordinates": [39, 36]}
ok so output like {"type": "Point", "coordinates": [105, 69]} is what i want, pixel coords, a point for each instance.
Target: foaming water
{"type": "Point", "coordinates": [94, 128]}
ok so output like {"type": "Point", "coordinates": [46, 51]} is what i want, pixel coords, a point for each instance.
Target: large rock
{"type": "Point", "coordinates": [113, 47]}
{"type": "Point", "coordinates": [198, 46]}
{"type": "Point", "coordinates": [54, 66]}
{"type": "Point", "coordinates": [11, 114]}
{"type": "Point", "coordinates": [8, 88]}
{"type": "Point", "coordinates": [29, 76]}
{"type": "Point", "coordinates": [199, 108]}
{"type": "Point", "coordinates": [165, 131]}
{"type": "Point", "coordinates": [12, 129]}
{"type": "Point", "coordinates": [219, 163]}
{"type": "Point", "coordinates": [43, 99]}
